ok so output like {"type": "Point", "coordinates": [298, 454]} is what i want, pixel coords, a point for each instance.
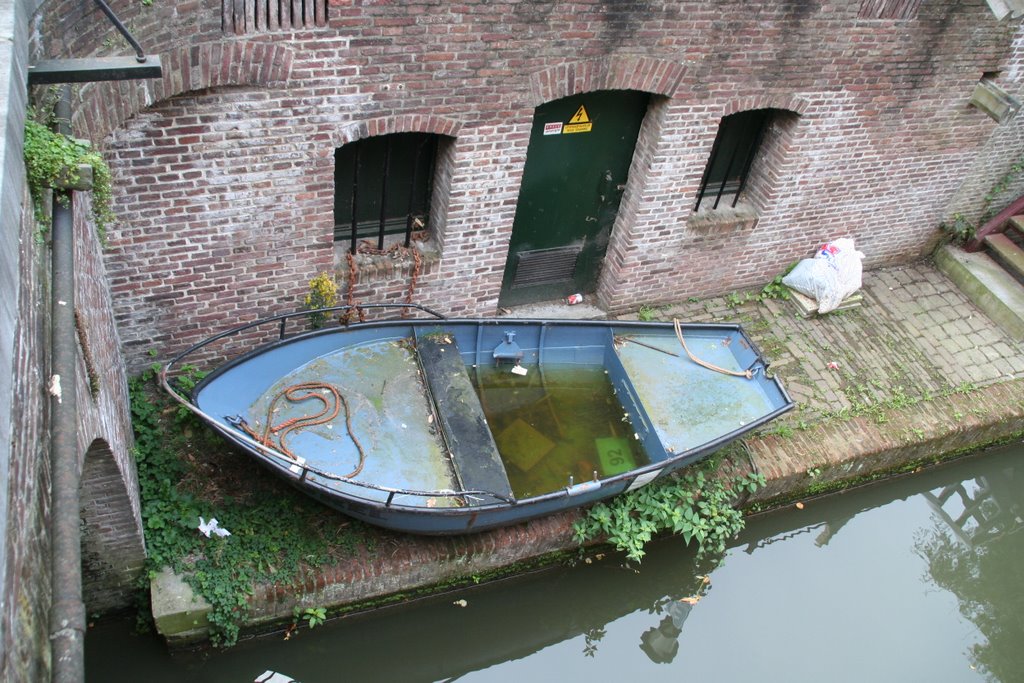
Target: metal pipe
{"type": "Point", "coordinates": [67, 611]}
{"type": "Point", "coordinates": [140, 56]}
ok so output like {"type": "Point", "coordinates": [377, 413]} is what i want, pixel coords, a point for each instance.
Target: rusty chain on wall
{"type": "Point", "coordinates": [394, 251]}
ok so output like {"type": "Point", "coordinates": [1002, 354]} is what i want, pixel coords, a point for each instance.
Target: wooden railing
{"type": "Point", "coordinates": [995, 224]}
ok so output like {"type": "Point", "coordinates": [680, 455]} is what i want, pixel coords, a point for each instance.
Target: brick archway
{"type": "Point", "coordinates": [793, 103]}
{"type": "Point", "coordinates": [409, 123]}
{"type": "Point", "coordinates": [113, 549]}
{"type": "Point", "coordinates": [615, 72]}
{"type": "Point", "coordinates": [185, 69]}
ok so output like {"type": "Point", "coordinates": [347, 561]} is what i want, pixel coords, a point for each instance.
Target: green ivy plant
{"type": "Point", "coordinates": [648, 313]}
{"type": "Point", "coordinates": [775, 290]}
{"type": "Point", "coordinates": [694, 505]}
{"type": "Point", "coordinates": [52, 160]}
{"type": "Point", "coordinates": [959, 229]}
{"type": "Point", "coordinates": [314, 616]}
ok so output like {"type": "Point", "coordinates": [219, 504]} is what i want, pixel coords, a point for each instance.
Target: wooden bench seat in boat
{"type": "Point", "coordinates": [474, 453]}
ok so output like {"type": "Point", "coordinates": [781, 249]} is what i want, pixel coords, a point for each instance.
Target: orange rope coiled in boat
{"type": "Point", "coordinates": [329, 411]}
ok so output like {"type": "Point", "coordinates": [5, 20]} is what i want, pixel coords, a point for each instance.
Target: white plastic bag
{"type": "Point", "coordinates": [832, 275]}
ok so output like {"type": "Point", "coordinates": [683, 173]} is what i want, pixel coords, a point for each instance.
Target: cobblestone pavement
{"type": "Point", "coordinates": [916, 337]}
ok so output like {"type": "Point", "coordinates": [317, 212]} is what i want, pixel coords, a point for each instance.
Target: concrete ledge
{"type": "Point", "coordinates": [830, 456]}
{"type": "Point", "coordinates": [177, 610]}
{"type": "Point", "coordinates": [846, 452]}
{"type": "Point", "coordinates": [412, 566]}
{"type": "Point", "coordinates": [991, 288]}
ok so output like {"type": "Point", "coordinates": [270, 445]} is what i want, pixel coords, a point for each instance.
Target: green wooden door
{"type": "Point", "coordinates": [576, 166]}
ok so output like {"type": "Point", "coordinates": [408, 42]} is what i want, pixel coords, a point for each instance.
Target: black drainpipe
{"type": "Point", "coordinates": [67, 611]}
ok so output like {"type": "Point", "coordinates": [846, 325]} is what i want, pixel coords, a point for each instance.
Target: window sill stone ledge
{"type": "Point", "coordinates": [376, 267]}
{"type": "Point", "coordinates": [741, 218]}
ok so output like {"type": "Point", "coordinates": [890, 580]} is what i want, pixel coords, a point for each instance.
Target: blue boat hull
{"type": "Point", "coordinates": [411, 450]}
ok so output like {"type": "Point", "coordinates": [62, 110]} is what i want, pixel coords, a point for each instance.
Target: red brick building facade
{"type": "Point", "coordinates": [225, 175]}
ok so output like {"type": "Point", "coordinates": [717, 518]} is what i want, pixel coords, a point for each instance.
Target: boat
{"type": "Point", "coordinates": [430, 425]}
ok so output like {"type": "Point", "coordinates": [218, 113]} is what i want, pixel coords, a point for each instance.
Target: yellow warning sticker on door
{"type": "Point", "coordinates": [579, 123]}
{"type": "Point", "coordinates": [580, 116]}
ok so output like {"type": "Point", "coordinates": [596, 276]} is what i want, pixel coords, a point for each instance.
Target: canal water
{"type": "Point", "coordinates": [916, 579]}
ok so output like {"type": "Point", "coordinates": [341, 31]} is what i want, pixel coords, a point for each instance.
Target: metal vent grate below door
{"type": "Point", "coordinates": [545, 266]}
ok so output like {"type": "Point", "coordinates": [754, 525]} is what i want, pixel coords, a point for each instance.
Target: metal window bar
{"type": "Point", "coordinates": [431, 144]}
{"type": "Point", "coordinates": [391, 224]}
{"type": "Point", "coordinates": [248, 16]}
{"type": "Point", "coordinates": [707, 169]}
{"type": "Point", "coordinates": [412, 194]}
{"type": "Point", "coordinates": [355, 195]}
{"type": "Point", "coordinates": [431, 167]}
{"type": "Point", "coordinates": [761, 125]}
{"type": "Point", "coordinates": [384, 193]}
{"type": "Point", "coordinates": [728, 178]}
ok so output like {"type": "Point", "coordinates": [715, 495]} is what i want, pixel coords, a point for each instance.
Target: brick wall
{"type": "Point", "coordinates": [27, 580]}
{"type": "Point", "coordinates": [224, 166]}
{"type": "Point", "coordinates": [24, 567]}
{"type": "Point", "coordinates": [25, 562]}
{"type": "Point", "coordinates": [112, 544]}
{"type": "Point", "coordinates": [1002, 150]}
{"type": "Point", "coordinates": [113, 549]}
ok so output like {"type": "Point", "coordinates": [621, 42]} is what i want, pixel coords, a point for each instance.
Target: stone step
{"type": "Point", "coordinates": [1007, 254]}
{"type": "Point", "coordinates": [991, 288]}
{"type": "Point", "coordinates": [181, 616]}
{"type": "Point", "coordinates": [1016, 223]}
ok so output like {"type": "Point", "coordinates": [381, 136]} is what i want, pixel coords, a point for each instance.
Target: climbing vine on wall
{"type": "Point", "coordinates": [53, 159]}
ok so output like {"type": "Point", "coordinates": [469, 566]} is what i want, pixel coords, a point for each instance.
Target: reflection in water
{"type": "Point", "coordinates": [976, 551]}
{"type": "Point", "coordinates": [842, 573]}
{"type": "Point", "coordinates": [661, 643]}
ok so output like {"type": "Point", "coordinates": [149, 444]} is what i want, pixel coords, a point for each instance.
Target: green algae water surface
{"type": "Point", "coordinates": [918, 579]}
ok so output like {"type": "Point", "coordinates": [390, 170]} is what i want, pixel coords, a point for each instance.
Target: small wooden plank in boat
{"type": "Point", "coordinates": [524, 445]}
{"type": "Point", "coordinates": [474, 454]}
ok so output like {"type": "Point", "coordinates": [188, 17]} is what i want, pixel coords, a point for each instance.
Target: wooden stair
{"type": "Point", "coordinates": [992, 277]}
{"type": "Point", "coordinates": [1005, 250]}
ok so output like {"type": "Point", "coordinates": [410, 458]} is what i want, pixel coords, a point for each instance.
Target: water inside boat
{"type": "Point", "coordinates": [556, 425]}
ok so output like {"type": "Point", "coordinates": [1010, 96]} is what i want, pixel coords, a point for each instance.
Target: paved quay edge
{"type": "Point", "coordinates": [826, 457]}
